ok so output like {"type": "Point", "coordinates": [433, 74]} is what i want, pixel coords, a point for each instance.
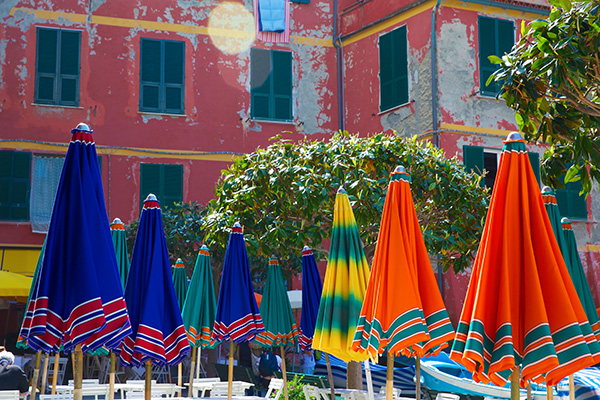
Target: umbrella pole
{"type": "Point", "coordinates": [55, 374]}
{"type": "Point", "coordinates": [45, 373]}
{"type": "Point", "coordinates": [111, 377]}
{"type": "Point", "coordinates": [549, 392]}
{"type": "Point", "coordinates": [283, 372]}
{"type": "Point", "coordinates": [369, 380]}
{"type": "Point", "coordinates": [389, 379]}
{"type": "Point", "coordinates": [571, 387]}
{"type": "Point", "coordinates": [418, 376]}
{"type": "Point", "coordinates": [198, 361]}
{"type": "Point", "coordinates": [192, 368]}
{"type": "Point", "coordinates": [515, 393]}
{"type": "Point", "coordinates": [36, 374]}
{"type": "Point", "coordinates": [77, 373]}
{"type": "Point", "coordinates": [230, 374]}
{"type": "Point", "coordinates": [330, 376]}
{"type": "Point", "coordinates": [529, 391]}
{"type": "Point", "coordinates": [148, 381]}
{"type": "Point", "coordinates": [179, 382]}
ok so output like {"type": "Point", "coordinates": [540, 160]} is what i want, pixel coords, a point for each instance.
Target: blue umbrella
{"type": "Point", "coordinates": [312, 287]}
{"type": "Point", "coordinates": [158, 336]}
{"type": "Point", "coordinates": [237, 318]}
{"type": "Point", "coordinates": [77, 298]}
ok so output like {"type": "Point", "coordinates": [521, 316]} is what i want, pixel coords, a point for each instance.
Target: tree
{"type": "Point", "coordinates": [284, 197]}
{"type": "Point", "coordinates": [552, 80]}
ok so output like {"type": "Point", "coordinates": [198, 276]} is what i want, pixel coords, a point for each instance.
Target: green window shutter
{"type": "Point", "coordinates": [15, 185]}
{"type": "Point", "coordinates": [496, 37]}
{"type": "Point", "coordinates": [150, 75]}
{"type": "Point", "coordinates": [570, 203]}
{"type": "Point", "coordinates": [386, 72]}
{"type": "Point", "coordinates": [70, 45]}
{"type": "Point", "coordinates": [163, 180]}
{"type": "Point", "coordinates": [149, 181]}
{"type": "Point", "coordinates": [46, 65]}
{"type": "Point", "coordinates": [473, 160]}
{"type": "Point", "coordinates": [260, 83]}
{"type": "Point", "coordinates": [282, 84]}
{"type": "Point", "coordinates": [534, 159]}
{"type": "Point", "coordinates": [173, 185]}
{"type": "Point", "coordinates": [174, 61]}
{"type": "Point", "coordinates": [393, 68]}
{"type": "Point", "coordinates": [400, 66]}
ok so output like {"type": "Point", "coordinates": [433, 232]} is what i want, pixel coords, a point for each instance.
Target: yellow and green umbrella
{"type": "Point", "coordinates": [180, 282]}
{"type": "Point", "coordinates": [277, 316]}
{"type": "Point", "coordinates": [200, 308]}
{"type": "Point", "coordinates": [344, 286]}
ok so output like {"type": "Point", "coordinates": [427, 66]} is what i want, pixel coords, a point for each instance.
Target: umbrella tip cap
{"type": "Point", "coordinates": [565, 220]}
{"type": "Point", "coordinates": [204, 247]}
{"type": "Point", "coordinates": [400, 169]}
{"type": "Point", "coordinates": [341, 190]}
{"type": "Point", "coordinates": [117, 221]}
{"type": "Point", "coordinates": [179, 261]}
{"type": "Point", "coordinates": [546, 189]}
{"type": "Point", "coordinates": [82, 127]}
{"type": "Point", "coordinates": [306, 247]}
{"type": "Point", "coordinates": [151, 197]}
{"type": "Point", "coordinates": [237, 224]}
{"type": "Point", "coordinates": [514, 136]}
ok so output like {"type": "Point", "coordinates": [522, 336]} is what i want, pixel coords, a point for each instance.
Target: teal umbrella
{"type": "Point", "coordinates": [117, 231]}
{"type": "Point", "coordinates": [200, 308]}
{"type": "Point", "coordinates": [549, 197]}
{"type": "Point", "coordinates": [180, 282]}
{"type": "Point", "coordinates": [276, 312]}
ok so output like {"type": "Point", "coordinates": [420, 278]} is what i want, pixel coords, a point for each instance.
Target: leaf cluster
{"type": "Point", "coordinates": [552, 80]}
{"type": "Point", "coordinates": [284, 197]}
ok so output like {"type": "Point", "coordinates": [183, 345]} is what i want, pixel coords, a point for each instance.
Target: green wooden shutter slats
{"type": "Point", "coordinates": [163, 180]}
{"type": "Point", "coordinates": [393, 68]}
{"type": "Point", "coordinates": [473, 160]}
{"type": "Point", "coordinates": [15, 183]}
{"type": "Point", "coordinates": [570, 203]}
{"type": "Point", "coordinates": [271, 84]}
{"type": "Point", "coordinates": [58, 67]}
{"type": "Point", "coordinates": [162, 76]}
{"type": "Point", "coordinates": [496, 37]}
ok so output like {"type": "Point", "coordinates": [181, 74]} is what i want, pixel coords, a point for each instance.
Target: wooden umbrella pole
{"type": "Point", "coordinates": [111, 377]}
{"type": "Point", "coordinates": [179, 381]}
{"type": "Point", "coordinates": [36, 374]}
{"type": "Point", "coordinates": [418, 376]}
{"type": "Point", "coordinates": [198, 361]}
{"type": "Point", "coordinates": [330, 376]}
{"type": "Point", "coordinates": [283, 372]}
{"type": "Point", "coordinates": [389, 378]}
{"type": "Point", "coordinates": [515, 393]}
{"type": "Point", "coordinates": [571, 387]}
{"type": "Point", "coordinates": [78, 373]}
{"type": "Point", "coordinates": [230, 374]}
{"type": "Point", "coordinates": [55, 373]}
{"type": "Point", "coordinates": [45, 373]}
{"type": "Point", "coordinates": [192, 368]}
{"type": "Point", "coordinates": [529, 391]}
{"type": "Point", "coordinates": [148, 381]}
{"type": "Point", "coordinates": [549, 392]}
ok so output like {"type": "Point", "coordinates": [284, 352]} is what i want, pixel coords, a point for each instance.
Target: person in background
{"type": "Point", "coordinates": [267, 366]}
{"type": "Point", "coordinates": [12, 377]}
{"type": "Point", "coordinates": [256, 353]}
{"type": "Point", "coordinates": [308, 362]}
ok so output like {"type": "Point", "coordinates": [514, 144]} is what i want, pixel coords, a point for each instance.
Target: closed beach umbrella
{"type": "Point", "coordinates": [117, 231]}
{"type": "Point", "coordinates": [180, 282]}
{"type": "Point", "coordinates": [312, 287]}
{"type": "Point", "coordinates": [200, 307]}
{"type": "Point", "coordinates": [521, 307]}
{"type": "Point", "coordinates": [276, 312]}
{"type": "Point", "coordinates": [549, 198]}
{"type": "Point", "coordinates": [78, 300]}
{"type": "Point", "coordinates": [403, 311]}
{"type": "Point", "coordinates": [238, 318]}
{"type": "Point", "coordinates": [158, 333]}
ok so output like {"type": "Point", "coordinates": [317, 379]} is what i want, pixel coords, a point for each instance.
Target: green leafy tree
{"type": "Point", "coordinates": [284, 197]}
{"type": "Point", "coordinates": [552, 80]}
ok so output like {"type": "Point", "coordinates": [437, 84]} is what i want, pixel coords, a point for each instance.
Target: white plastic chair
{"type": "Point", "coordinates": [311, 391]}
{"type": "Point", "coordinates": [395, 392]}
{"type": "Point", "coordinates": [447, 396]}
{"type": "Point", "coordinates": [9, 395]}
{"type": "Point", "coordinates": [204, 384]}
{"type": "Point", "coordinates": [62, 364]}
{"type": "Point", "coordinates": [220, 389]}
{"type": "Point", "coordinates": [63, 396]}
{"type": "Point", "coordinates": [276, 385]}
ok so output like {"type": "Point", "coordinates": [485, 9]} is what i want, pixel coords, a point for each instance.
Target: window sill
{"type": "Point", "coordinates": [57, 106]}
{"type": "Point", "coordinates": [162, 114]}
{"type": "Point", "coordinates": [274, 121]}
{"type": "Point", "coordinates": [489, 97]}
{"type": "Point", "coordinates": [393, 108]}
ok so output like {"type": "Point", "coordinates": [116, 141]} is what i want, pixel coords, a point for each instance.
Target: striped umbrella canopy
{"type": "Point", "coordinates": [521, 308]}
{"type": "Point", "coordinates": [312, 287]}
{"type": "Point", "coordinates": [577, 273]}
{"type": "Point", "coordinates": [200, 304]}
{"type": "Point", "coordinates": [117, 230]}
{"type": "Point", "coordinates": [344, 286]}
{"type": "Point", "coordinates": [180, 282]}
{"type": "Point", "coordinates": [403, 311]}
{"type": "Point", "coordinates": [238, 318]}
{"type": "Point", "coordinates": [276, 311]}
{"type": "Point", "coordinates": [77, 298]}
{"type": "Point", "coordinates": [158, 332]}
{"type": "Point", "coordinates": [549, 198]}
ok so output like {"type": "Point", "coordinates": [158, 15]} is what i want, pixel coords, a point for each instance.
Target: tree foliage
{"type": "Point", "coordinates": [552, 80]}
{"type": "Point", "coordinates": [284, 197]}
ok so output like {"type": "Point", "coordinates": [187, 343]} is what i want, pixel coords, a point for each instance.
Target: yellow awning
{"type": "Point", "coordinates": [14, 285]}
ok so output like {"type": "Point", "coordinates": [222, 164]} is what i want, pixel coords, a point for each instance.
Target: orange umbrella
{"type": "Point", "coordinates": [521, 306]}
{"type": "Point", "coordinates": [403, 310]}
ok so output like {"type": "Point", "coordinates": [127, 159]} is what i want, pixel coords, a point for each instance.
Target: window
{"type": "Point", "coordinates": [271, 85]}
{"type": "Point", "coordinates": [57, 67]}
{"type": "Point", "coordinates": [164, 180]}
{"type": "Point", "coordinates": [496, 37]}
{"type": "Point", "coordinates": [479, 159]}
{"type": "Point", "coordinates": [15, 172]}
{"type": "Point", "coordinates": [393, 69]}
{"type": "Point", "coordinates": [45, 176]}
{"type": "Point", "coordinates": [570, 203]}
{"type": "Point", "coordinates": [162, 76]}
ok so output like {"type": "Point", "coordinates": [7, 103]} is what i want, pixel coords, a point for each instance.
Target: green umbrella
{"type": "Point", "coordinates": [180, 281]}
{"type": "Point", "coordinates": [549, 197]}
{"type": "Point", "coordinates": [276, 312]}
{"type": "Point", "coordinates": [200, 308]}
{"type": "Point", "coordinates": [117, 231]}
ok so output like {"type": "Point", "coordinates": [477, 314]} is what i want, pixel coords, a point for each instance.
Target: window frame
{"type": "Point", "coordinates": [57, 75]}
{"type": "Point", "coordinates": [11, 181]}
{"type": "Point", "coordinates": [491, 68]}
{"type": "Point", "coordinates": [404, 75]}
{"type": "Point", "coordinates": [272, 96]}
{"type": "Point", "coordinates": [162, 85]}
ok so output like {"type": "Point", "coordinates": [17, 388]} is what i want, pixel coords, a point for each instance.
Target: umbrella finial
{"type": "Point", "coordinates": [204, 247]}
{"type": "Point", "coordinates": [117, 224]}
{"type": "Point", "coordinates": [513, 137]}
{"type": "Point", "coordinates": [179, 261]}
{"type": "Point", "coordinates": [546, 189]}
{"type": "Point", "coordinates": [565, 220]}
{"type": "Point", "coordinates": [82, 127]}
{"type": "Point", "coordinates": [237, 224]}
{"type": "Point", "coordinates": [117, 221]}
{"type": "Point", "coordinates": [400, 169]}
{"type": "Point", "coordinates": [151, 197]}
{"type": "Point", "coordinates": [306, 247]}
{"type": "Point", "coordinates": [341, 190]}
